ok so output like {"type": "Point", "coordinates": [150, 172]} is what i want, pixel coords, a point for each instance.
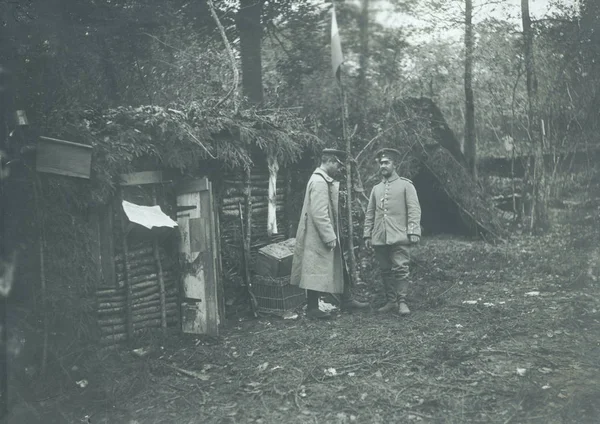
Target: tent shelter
{"type": "Point", "coordinates": [451, 201]}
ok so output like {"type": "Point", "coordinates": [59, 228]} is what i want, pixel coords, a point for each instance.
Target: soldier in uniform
{"type": "Point", "coordinates": [392, 225]}
{"type": "Point", "coordinates": [318, 264]}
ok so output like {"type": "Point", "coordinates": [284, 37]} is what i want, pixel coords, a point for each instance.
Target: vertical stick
{"type": "Point", "coordinates": [351, 259]}
{"type": "Point", "coordinates": [272, 201]}
{"type": "Point", "coordinates": [37, 185]}
{"type": "Point", "coordinates": [248, 208]}
{"type": "Point", "coordinates": [247, 235]}
{"type": "Point", "coordinates": [287, 205]}
{"type": "Point", "coordinates": [161, 281]}
{"type": "Point", "coordinates": [128, 289]}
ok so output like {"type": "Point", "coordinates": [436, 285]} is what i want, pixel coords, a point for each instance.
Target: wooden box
{"type": "Point", "coordinates": [275, 260]}
{"type": "Point", "coordinates": [63, 157]}
{"type": "Point", "coordinates": [276, 294]}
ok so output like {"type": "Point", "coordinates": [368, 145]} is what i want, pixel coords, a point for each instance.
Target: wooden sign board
{"type": "Point", "coordinates": [62, 157]}
{"type": "Point", "coordinates": [142, 178]}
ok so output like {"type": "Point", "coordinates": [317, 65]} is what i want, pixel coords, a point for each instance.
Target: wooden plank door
{"type": "Point", "coordinates": [200, 258]}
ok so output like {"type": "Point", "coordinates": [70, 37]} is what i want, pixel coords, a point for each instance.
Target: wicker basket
{"type": "Point", "coordinates": [276, 294]}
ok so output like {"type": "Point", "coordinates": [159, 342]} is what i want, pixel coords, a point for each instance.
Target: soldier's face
{"type": "Point", "coordinates": [386, 167]}
{"type": "Point", "coordinates": [335, 169]}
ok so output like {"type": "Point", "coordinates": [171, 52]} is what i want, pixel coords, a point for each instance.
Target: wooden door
{"type": "Point", "coordinates": [200, 258]}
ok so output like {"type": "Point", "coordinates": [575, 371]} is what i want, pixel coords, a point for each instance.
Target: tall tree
{"type": "Point", "coordinates": [250, 30]}
{"type": "Point", "coordinates": [364, 48]}
{"type": "Point", "coordinates": [539, 212]}
{"type": "Point", "coordinates": [470, 138]}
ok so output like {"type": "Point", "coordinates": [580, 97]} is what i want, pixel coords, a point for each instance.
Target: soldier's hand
{"type": "Point", "coordinates": [331, 245]}
{"type": "Point", "coordinates": [368, 242]}
{"type": "Point", "coordinates": [414, 239]}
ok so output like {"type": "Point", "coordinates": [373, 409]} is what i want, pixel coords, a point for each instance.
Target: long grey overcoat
{"type": "Point", "coordinates": [315, 266]}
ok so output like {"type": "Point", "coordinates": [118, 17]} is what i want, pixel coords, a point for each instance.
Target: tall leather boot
{"type": "Point", "coordinates": [348, 302]}
{"type": "Point", "coordinates": [401, 289]}
{"type": "Point", "coordinates": [390, 293]}
{"type": "Point", "coordinates": [312, 306]}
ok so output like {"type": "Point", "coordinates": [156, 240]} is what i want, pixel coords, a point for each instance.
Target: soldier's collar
{"type": "Point", "coordinates": [324, 174]}
{"type": "Point", "coordinates": [393, 177]}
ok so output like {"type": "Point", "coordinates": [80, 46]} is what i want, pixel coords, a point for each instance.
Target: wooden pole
{"type": "Point", "coordinates": [128, 288]}
{"type": "Point", "coordinates": [247, 235]}
{"type": "Point", "coordinates": [161, 281]}
{"type": "Point", "coordinates": [351, 258]}
{"type": "Point", "coordinates": [37, 186]}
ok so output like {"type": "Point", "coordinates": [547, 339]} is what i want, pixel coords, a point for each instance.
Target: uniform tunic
{"type": "Point", "coordinates": [393, 213]}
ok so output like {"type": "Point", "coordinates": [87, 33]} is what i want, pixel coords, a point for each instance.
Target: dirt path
{"type": "Point", "coordinates": [498, 334]}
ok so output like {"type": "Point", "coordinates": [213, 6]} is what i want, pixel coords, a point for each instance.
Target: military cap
{"type": "Point", "coordinates": [388, 153]}
{"type": "Point", "coordinates": [338, 154]}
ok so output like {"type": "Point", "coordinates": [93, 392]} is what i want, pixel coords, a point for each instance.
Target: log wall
{"type": "Point", "coordinates": [143, 278]}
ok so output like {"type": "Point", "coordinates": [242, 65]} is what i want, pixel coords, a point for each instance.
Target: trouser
{"type": "Point", "coordinates": [393, 261]}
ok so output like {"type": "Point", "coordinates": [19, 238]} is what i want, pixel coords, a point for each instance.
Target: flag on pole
{"type": "Point", "coordinates": [336, 46]}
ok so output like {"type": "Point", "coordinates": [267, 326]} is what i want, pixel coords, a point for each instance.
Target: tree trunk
{"type": "Point", "coordinates": [540, 221]}
{"type": "Point", "coordinates": [250, 29]}
{"type": "Point", "coordinates": [363, 25]}
{"type": "Point", "coordinates": [470, 139]}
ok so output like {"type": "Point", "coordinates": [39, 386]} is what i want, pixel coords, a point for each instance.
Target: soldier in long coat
{"type": "Point", "coordinates": [318, 263]}
{"type": "Point", "coordinates": [392, 225]}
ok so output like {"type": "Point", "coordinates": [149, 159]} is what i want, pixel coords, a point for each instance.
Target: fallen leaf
{"type": "Point", "coordinates": [545, 370]}
{"type": "Point", "coordinates": [521, 371]}
{"type": "Point", "coordinates": [330, 372]}
{"type": "Point", "coordinates": [532, 293]}
{"type": "Point", "coordinates": [378, 374]}
{"type": "Point", "coordinates": [470, 302]}
{"type": "Point", "coordinates": [263, 366]}
{"type": "Point", "coordinates": [290, 315]}
{"type": "Point", "coordinates": [546, 387]}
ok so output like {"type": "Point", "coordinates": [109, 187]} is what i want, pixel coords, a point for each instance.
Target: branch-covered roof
{"type": "Point", "coordinates": [184, 138]}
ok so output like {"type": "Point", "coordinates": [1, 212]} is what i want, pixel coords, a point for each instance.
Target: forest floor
{"type": "Point", "coordinates": [506, 333]}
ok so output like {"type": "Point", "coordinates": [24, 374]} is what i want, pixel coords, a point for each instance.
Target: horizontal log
{"type": "Point", "coordinates": [231, 201]}
{"type": "Point", "coordinates": [136, 301]}
{"type": "Point", "coordinates": [169, 307]}
{"type": "Point", "coordinates": [170, 291]}
{"type": "Point", "coordinates": [152, 322]}
{"type": "Point", "coordinates": [136, 318]}
{"type": "Point", "coordinates": [255, 205]}
{"type": "Point", "coordinates": [136, 253]}
{"type": "Point", "coordinates": [143, 281]}
{"type": "Point", "coordinates": [141, 270]}
{"type": "Point", "coordinates": [137, 291]}
{"type": "Point", "coordinates": [117, 336]}
{"type": "Point", "coordinates": [121, 309]}
{"type": "Point", "coordinates": [143, 262]}
{"type": "Point", "coordinates": [108, 339]}
{"type": "Point", "coordinates": [257, 210]}
{"type": "Point", "coordinates": [257, 183]}
{"type": "Point", "coordinates": [239, 191]}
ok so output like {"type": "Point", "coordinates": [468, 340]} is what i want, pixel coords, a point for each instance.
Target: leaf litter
{"type": "Point", "coordinates": [511, 356]}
